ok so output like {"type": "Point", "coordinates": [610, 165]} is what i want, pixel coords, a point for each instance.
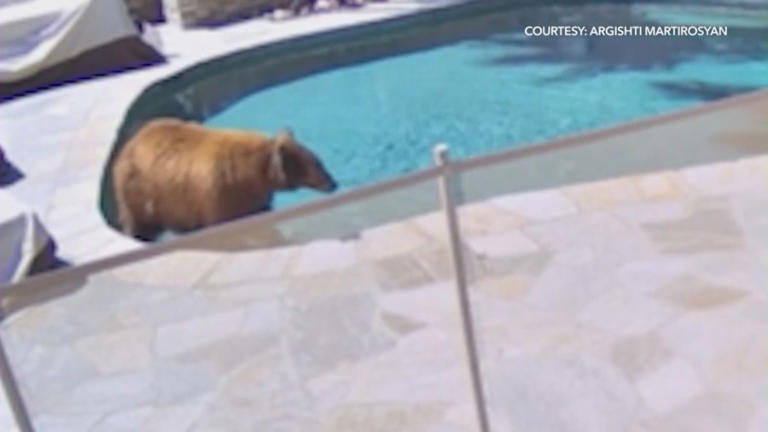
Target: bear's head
{"type": "Point", "coordinates": [293, 166]}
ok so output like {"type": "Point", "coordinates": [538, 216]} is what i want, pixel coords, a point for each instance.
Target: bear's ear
{"type": "Point", "coordinates": [284, 137]}
{"type": "Point", "coordinates": [276, 168]}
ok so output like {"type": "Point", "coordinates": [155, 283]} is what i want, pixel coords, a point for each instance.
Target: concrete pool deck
{"type": "Point", "coordinates": [636, 303]}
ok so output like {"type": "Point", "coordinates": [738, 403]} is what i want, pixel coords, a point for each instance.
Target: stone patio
{"type": "Point", "coordinates": [635, 303]}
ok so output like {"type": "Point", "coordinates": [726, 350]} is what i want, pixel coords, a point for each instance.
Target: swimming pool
{"type": "Point", "coordinates": [499, 89]}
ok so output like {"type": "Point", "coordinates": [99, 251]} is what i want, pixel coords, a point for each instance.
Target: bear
{"type": "Point", "coordinates": [176, 175]}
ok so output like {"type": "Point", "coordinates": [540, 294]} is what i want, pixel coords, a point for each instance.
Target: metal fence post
{"type": "Point", "coordinates": [12, 393]}
{"type": "Point", "coordinates": [440, 153]}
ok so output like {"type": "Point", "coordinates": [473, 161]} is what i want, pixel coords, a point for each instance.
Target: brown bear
{"type": "Point", "coordinates": [179, 176]}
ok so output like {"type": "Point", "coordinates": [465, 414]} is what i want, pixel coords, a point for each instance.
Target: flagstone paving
{"type": "Point", "coordinates": [634, 304]}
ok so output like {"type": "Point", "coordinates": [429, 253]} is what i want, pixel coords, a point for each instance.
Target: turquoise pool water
{"type": "Point", "coordinates": [377, 120]}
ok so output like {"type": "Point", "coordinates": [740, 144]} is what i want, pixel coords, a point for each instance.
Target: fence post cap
{"type": "Point", "coordinates": [440, 153]}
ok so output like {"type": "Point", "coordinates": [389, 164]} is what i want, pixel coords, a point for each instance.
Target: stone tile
{"type": "Point", "coordinates": [759, 420]}
{"type": "Point", "coordinates": [122, 351]}
{"type": "Point", "coordinates": [727, 344]}
{"type": "Point", "coordinates": [358, 279]}
{"type": "Point", "coordinates": [51, 163]}
{"type": "Point", "coordinates": [739, 269]}
{"type": "Point", "coordinates": [507, 288]}
{"type": "Point", "coordinates": [625, 312]}
{"type": "Point", "coordinates": [389, 241]}
{"type": "Point", "coordinates": [509, 243]}
{"type": "Point", "coordinates": [246, 292]}
{"type": "Point", "coordinates": [709, 227]}
{"type": "Point", "coordinates": [69, 176]}
{"type": "Point", "coordinates": [756, 166]}
{"type": "Point", "coordinates": [607, 240]}
{"type": "Point", "coordinates": [646, 275]}
{"type": "Point", "coordinates": [47, 375]}
{"type": "Point", "coordinates": [670, 386]}
{"type": "Point", "coordinates": [568, 282]}
{"type": "Point", "coordinates": [525, 267]}
{"type": "Point", "coordinates": [35, 193]}
{"type": "Point", "coordinates": [459, 418]}
{"type": "Point", "coordinates": [480, 219]}
{"type": "Point", "coordinates": [261, 394]}
{"type": "Point", "coordinates": [177, 338]}
{"type": "Point", "coordinates": [431, 303]}
{"type": "Point", "coordinates": [250, 266]}
{"type": "Point", "coordinates": [424, 367]}
{"type": "Point", "coordinates": [116, 245]}
{"type": "Point", "coordinates": [691, 292]}
{"type": "Point", "coordinates": [89, 149]}
{"type": "Point", "coordinates": [400, 324]}
{"type": "Point", "coordinates": [720, 178]}
{"type": "Point", "coordinates": [384, 416]}
{"type": "Point", "coordinates": [82, 192]}
{"type": "Point", "coordinates": [190, 377]}
{"type": "Point", "coordinates": [710, 412]}
{"type": "Point", "coordinates": [603, 195]}
{"type": "Point", "coordinates": [65, 422]}
{"type": "Point", "coordinates": [324, 331]}
{"type": "Point", "coordinates": [63, 212]}
{"type": "Point", "coordinates": [569, 393]}
{"type": "Point", "coordinates": [659, 186]}
{"type": "Point", "coordinates": [654, 211]}
{"type": "Point", "coordinates": [748, 208]}
{"type": "Point", "coordinates": [125, 420]}
{"type": "Point", "coordinates": [433, 224]}
{"type": "Point", "coordinates": [86, 247]}
{"type": "Point", "coordinates": [640, 355]}
{"type": "Point", "coordinates": [176, 417]}
{"type": "Point", "coordinates": [264, 318]}
{"type": "Point", "coordinates": [170, 309]}
{"type": "Point", "coordinates": [512, 329]}
{"type": "Point", "coordinates": [537, 206]}
{"type": "Point", "coordinates": [101, 299]}
{"type": "Point", "coordinates": [324, 255]}
{"type": "Point", "coordinates": [400, 272]}
{"type": "Point", "coordinates": [108, 393]}
{"type": "Point", "coordinates": [181, 269]}
{"type": "Point", "coordinates": [438, 262]}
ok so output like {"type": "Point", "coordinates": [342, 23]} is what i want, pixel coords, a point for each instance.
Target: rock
{"type": "Point", "coordinates": [281, 14]}
{"type": "Point", "coordinates": [323, 5]}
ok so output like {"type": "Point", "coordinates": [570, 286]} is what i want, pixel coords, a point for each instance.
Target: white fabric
{"type": "Point", "coordinates": [36, 34]}
{"type": "Point", "coordinates": [22, 238]}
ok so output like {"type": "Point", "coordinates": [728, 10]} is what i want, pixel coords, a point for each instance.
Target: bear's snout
{"type": "Point", "coordinates": [330, 186]}
{"type": "Point", "coordinates": [321, 179]}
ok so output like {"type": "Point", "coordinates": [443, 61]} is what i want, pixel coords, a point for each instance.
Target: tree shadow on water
{"type": "Point", "coordinates": [701, 90]}
{"type": "Point", "coordinates": [586, 56]}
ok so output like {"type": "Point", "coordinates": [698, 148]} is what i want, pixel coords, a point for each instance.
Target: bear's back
{"type": "Point", "coordinates": [178, 146]}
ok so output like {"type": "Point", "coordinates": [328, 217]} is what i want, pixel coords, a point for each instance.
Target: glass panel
{"type": "Point", "coordinates": [537, 262]}
{"type": "Point", "coordinates": [334, 334]}
{"type": "Point", "coordinates": [589, 286]}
